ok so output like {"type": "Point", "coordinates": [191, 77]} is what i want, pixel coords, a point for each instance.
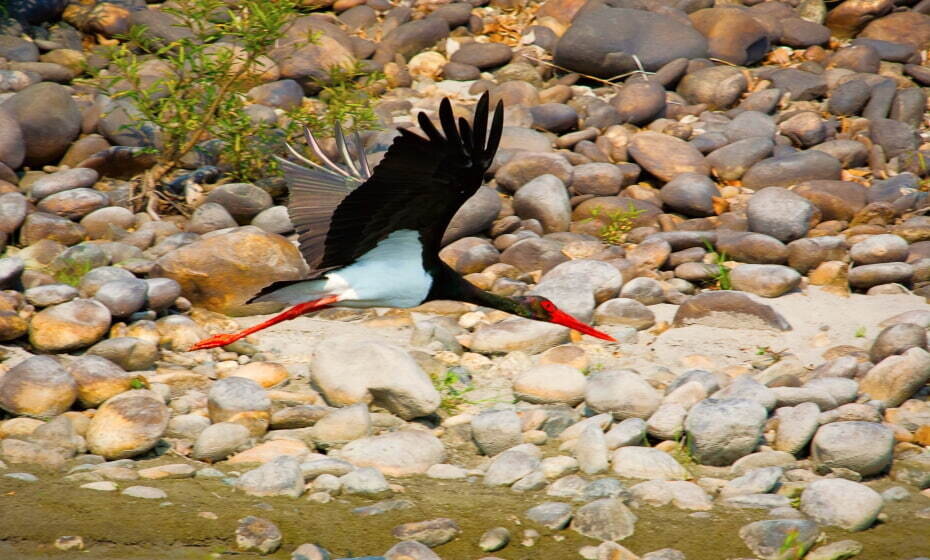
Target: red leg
{"type": "Point", "coordinates": [296, 311]}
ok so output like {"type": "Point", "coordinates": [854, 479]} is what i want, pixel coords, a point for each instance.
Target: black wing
{"type": "Point", "coordinates": [419, 185]}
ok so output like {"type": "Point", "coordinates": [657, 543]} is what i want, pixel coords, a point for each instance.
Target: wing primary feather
{"type": "Point", "coordinates": [344, 151]}
{"type": "Point", "coordinates": [497, 127]}
{"type": "Point", "coordinates": [447, 119]}
{"type": "Point", "coordinates": [362, 157]}
{"type": "Point", "coordinates": [318, 151]}
{"type": "Point", "coordinates": [467, 140]}
{"type": "Point", "coordinates": [301, 157]}
{"type": "Point", "coordinates": [429, 128]}
{"type": "Point", "coordinates": [481, 124]}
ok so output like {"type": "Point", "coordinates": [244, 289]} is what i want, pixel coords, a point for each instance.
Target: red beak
{"type": "Point", "coordinates": [564, 319]}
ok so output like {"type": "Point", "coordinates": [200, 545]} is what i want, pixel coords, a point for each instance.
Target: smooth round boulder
{"type": "Point", "coordinates": [550, 384]}
{"type": "Point", "coordinates": [723, 430]}
{"type": "Point", "coordinates": [218, 441]}
{"type": "Point", "coordinates": [127, 425]}
{"type": "Point", "coordinates": [49, 119]}
{"type": "Point", "coordinates": [37, 386]}
{"type": "Point", "coordinates": [69, 326]}
{"type": "Point", "coordinates": [780, 213]}
{"type": "Point", "coordinates": [122, 297]}
{"type": "Point", "coordinates": [841, 503]}
{"type": "Point", "coordinates": [240, 400]}
{"type": "Point", "coordinates": [98, 379]}
{"type": "Point", "coordinates": [622, 393]}
{"type": "Point", "coordinates": [719, 87]}
{"type": "Point", "coordinates": [863, 447]}
{"type": "Point", "coordinates": [666, 156]}
{"type": "Point", "coordinates": [626, 312]}
{"type": "Point", "coordinates": [690, 194]}
{"type": "Point", "coordinates": [897, 339]}
{"type": "Point", "coordinates": [766, 280]}
{"type": "Point", "coordinates": [401, 453]}
{"type": "Point", "coordinates": [878, 249]}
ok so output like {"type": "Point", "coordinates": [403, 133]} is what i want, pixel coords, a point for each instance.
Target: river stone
{"type": "Point", "coordinates": [779, 213]}
{"type": "Point", "coordinates": [806, 254]}
{"type": "Point", "coordinates": [837, 200]}
{"type": "Point", "coordinates": [122, 297]}
{"type": "Point", "coordinates": [841, 503]}
{"type": "Point", "coordinates": [730, 162]}
{"type": "Point", "coordinates": [69, 326]}
{"type": "Point", "coordinates": [788, 170]}
{"type": "Point", "coordinates": [256, 534]}
{"type": "Point", "coordinates": [666, 156]}
{"type": "Point", "coordinates": [37, 386]}
{"type": "Point", "coordinates": [639, 103]}
{"type": "Point", "coordinates": [98, 379]}
{"type": "Point", "coordinates": [517, 334]}
{"type": "Point", "coordinates": [13, 209]}
{"type": "Point", "coordinates": [61, 181]}
{"type": "Point", "coordinates": [690, 194]}
{"type": "Point", "coordinates": [223, 271]}
{"type": "Point", "coordinates": [766, 280]}
{"type": "Point", "coordinates": [648, 463]}
{"type": "Point", "coordinates": [719, 87]}
{"type": "Point", "coordinates": [767, 538]}
{"type": "Point", "coordinates": [878, 249]}
{"type": "Point", "coordinates": [50, 294]}
{"type": "Point", "coordinates": [127, 425]}
{"type": "Point", "coordinates": [341, 426]}
{"type": "Point", "coordinates": [623, 393]}
{"type": "Point", "coordinates": [602, 40]}
{"type": "Point", "coordinates": [896, 339]}
{"type": "Point", "coordinates": [495, 431]}
{"type": "Point", "coordinates": [868, 275]}
{"type": "Point", "coordinates": [552, 515]}
{"type": "Point", "coordinates": [129, 353]}
{"type": "Point", "coordinates": [511, 466]}
{"type": "Point", "coordinates": [544, 198]}
{"type": "Point", "coordinates": [240, 400]}
{"type": "Point", "coordinates": [863, 447]}
{"type": "Point", "coordinates": [723, 430]}
{"type": "Point", "coordinates": [896, 378]}
{"type": "Point", "coordinates": [733, 35]}
{"type": "Point", "coordinates": [401, 453]}
{"type": "Point", "coordinates": [74, 204]}
{"type": "Point", "coordinates": [626, 312]}
{"type": "Point", "coordinates": [796, 427]}
{"type": "Point", "coordinates": [49, 119]}
{"type": "Point", "coordinates": [526, 166]}
{"type": "Point", "coordinates": [475, 216]}
{"type": "Point", "coordinates": [531, 254]}
{"type": "Point", "coordinates": [550, 384]}
{"type": "Point", "coordinates": [218, 441]}
{"type": "Point", "coordinates": [350, 369]}
{"type": "Point", "coordinates": [728, 309]}
{"type": "Point", "coordinates": [607, 519]}
{"type": "Point", "coordinates": [279, 477]}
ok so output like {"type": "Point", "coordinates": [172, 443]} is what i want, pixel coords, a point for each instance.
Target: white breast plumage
{"type": "Point", "coordinates": [390, 275]}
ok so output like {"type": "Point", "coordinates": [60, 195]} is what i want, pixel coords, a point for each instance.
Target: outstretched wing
{"type": "Point", "coordinates": [317, 190]}
{"type": "Point", "coordinates": [419, 185]}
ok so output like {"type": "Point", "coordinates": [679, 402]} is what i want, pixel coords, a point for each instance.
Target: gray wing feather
{"type": "Point", "coordinates": [316, 191]}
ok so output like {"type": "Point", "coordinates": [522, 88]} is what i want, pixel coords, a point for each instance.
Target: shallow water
{"type": "Point", "coordinates": [33, 515]}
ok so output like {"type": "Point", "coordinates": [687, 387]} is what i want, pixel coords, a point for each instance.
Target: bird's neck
{"type": "Point", "coordinates": [472, 294]}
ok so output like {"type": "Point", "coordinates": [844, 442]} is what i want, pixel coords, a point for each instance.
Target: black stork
{"type": "Point", "coordinates": [372, 239]}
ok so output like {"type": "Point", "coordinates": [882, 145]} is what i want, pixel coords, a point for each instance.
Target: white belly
{"type": "Point", "coordinates": [390, 275]}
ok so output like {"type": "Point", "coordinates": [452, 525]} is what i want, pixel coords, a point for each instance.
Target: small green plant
{"type": "Point", "coordinates": [722, 274]}
{"type": "Point", "coordinates": [860, 332]}
{"type": "Point", "coordinates": [774, 356]}
{"type": "Point", "coordinates": [452, 390]}
{"type": "Point", "coordinates": [593, 368]}
{"type": "Point", "coordinates": [683, 453]}
{"type": "Point", "coordinates": [790, 548]}
{"type": "Point", "coordinates": [138, 383]}
{"type": "Point", "coordinates": [198, 92]}
{"type": "Point", "coordinates": [617, 223]}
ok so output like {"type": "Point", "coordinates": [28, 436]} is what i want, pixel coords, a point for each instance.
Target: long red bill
{"type": "Point", "coordinates": [564, 319]}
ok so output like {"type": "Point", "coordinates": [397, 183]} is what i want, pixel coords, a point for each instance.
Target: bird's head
{"type": "Point", "coordinates": [539, 308]}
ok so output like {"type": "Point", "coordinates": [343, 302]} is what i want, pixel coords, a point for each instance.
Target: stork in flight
{"type": "Point", "coordinates": [372, 238]}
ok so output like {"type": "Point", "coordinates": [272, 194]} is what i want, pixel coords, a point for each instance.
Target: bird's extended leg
{"type": "Point", "coordinates": [296, 311]}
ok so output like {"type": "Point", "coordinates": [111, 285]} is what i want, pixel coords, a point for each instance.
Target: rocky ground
{"type": "Point", "coordinates": [742, 205]}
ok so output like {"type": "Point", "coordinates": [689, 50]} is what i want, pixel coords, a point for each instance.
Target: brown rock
{"type": "Point", "coordinates": [98, 379]}
{"type": "Point", "coordinates": [836, 200]}
{"type": "Point", "coordinates": [847, 19]}
{"type": "Point", "coordinates": [266, 374]}
{"type": "Point", "coordinates": [38, 386]}
{"type": "Point", "coordinates": [732, 35]}
{"type": "Point", "coordinates": [69, 326]}
{"type": "Point", "coordinates": [127, 425]}
{"type": "Point", "coordinates": [833, 276]}
{"type": "Point", "coordinates": [223, 271]}
{"type": "Point", "coordinates": [730, 310]}
{"type": "Point", "coordinates": [666, 156]}
{"type": "Point", "coordinates": [911, 28]}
